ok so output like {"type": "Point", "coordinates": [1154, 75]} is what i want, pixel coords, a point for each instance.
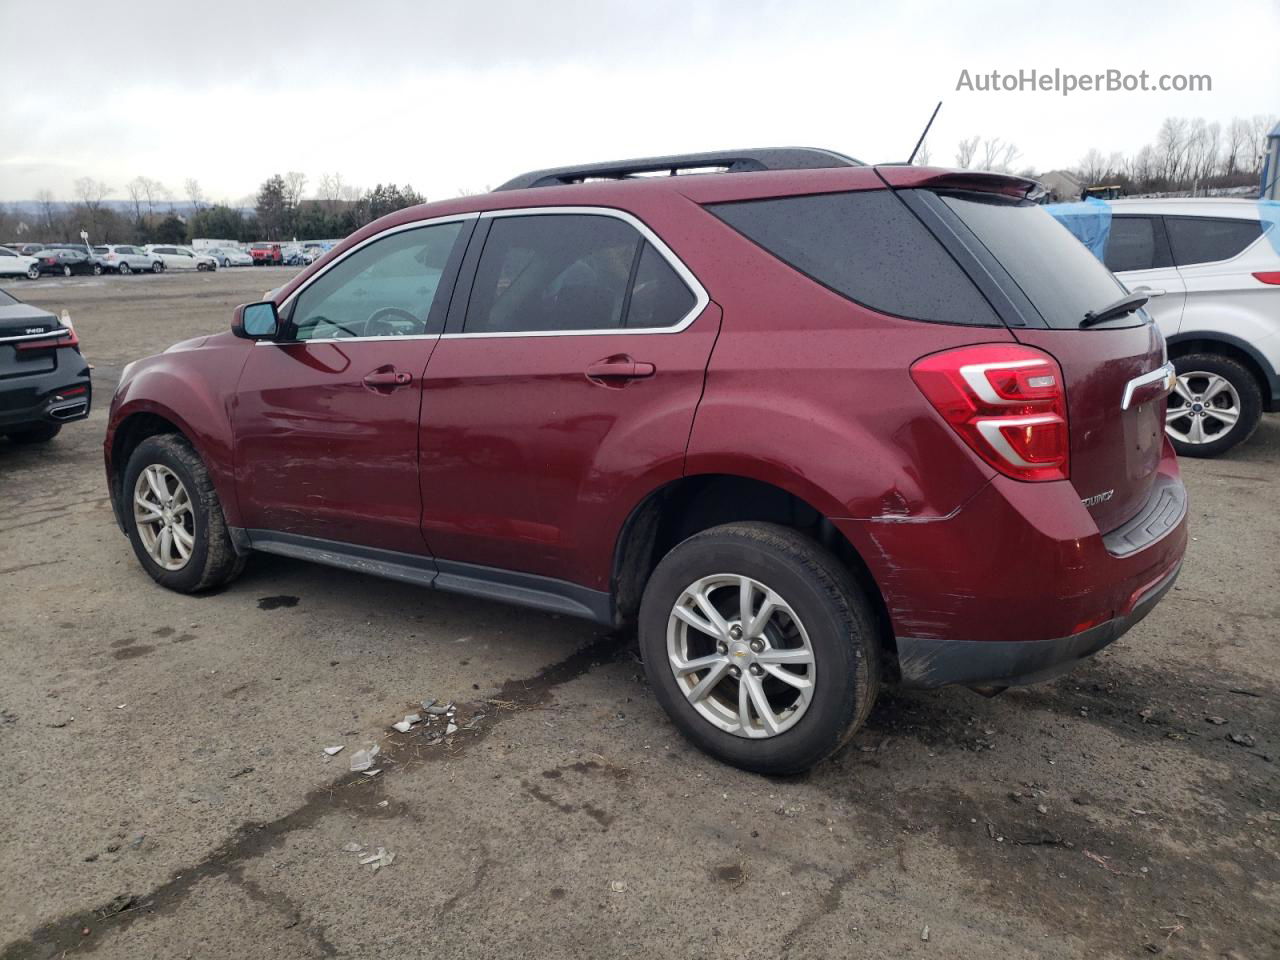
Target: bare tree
{"type": "Point", "coordinates": [922, 155]}
{"type": "Point", "coordinates": [1236, 146]}
{"type": "Point", "coordinates": [1171, 147]}
{"type": "Point", "coordinates": [134, 189]}
{"type": "Point", "coordinates": [91, 193]}
{"type": "Point", "coordinates": [295, 183]}
{"type": "Point", "coordinates": [965, 150]}
{"type": "Point", "coordinates": [48, 205]}
{"type": "Point", "coordinates": [1092, 167]}
{"type": "Point", "coordinates": [144, 190]}
{"type": "Point", "coordinates": [194, 193]}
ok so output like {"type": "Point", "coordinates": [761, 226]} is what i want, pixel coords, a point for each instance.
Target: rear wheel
{"type": "Point", "coordinates": [36, 433]}
{"type": "Point", "coordinates": [97, 269]}
{"type": "Point", "coordinates": [759, 646]}
{"type": "Point", "coordinates": [1216, 404]}
{"type": "Point", "coordinates": [174, 518]}
{"type": "Point", "coordinates": [66, 270]}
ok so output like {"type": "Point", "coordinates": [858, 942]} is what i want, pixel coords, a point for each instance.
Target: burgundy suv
{"type": "Point", "coordinates": [813, 425]}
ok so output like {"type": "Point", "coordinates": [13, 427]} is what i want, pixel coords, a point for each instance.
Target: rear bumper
{"type": "Point", "coordinates": [1019, 583]}
{"type": "Point", "coordinates": [26, 401]}
{"type": "Point", "coordinates": [937, 663]}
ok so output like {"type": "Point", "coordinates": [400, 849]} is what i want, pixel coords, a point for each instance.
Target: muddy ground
{"type": "Point", "coordinates": [165, 792]}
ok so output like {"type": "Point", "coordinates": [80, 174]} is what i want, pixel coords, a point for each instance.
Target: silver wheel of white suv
{"type": "Point", "coordinates": [164, 518]}
{"type": "Point", "coordinates": [741, 656]}
{"type": "Point", "coordinates": [1202, 408]}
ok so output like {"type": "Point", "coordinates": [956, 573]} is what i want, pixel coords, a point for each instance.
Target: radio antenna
{"type": "Point", "coordinates": [920, 142]}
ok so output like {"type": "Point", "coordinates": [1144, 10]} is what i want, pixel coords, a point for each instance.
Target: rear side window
{"type": "Point", "coordinates": [1205, 240]}
{"type": "Point", "coordinates": [1055, 271]}
{"type": "Point", "coordinates": [545, 273]}
{"type": "Point", "coordinates": [866, 246]}
{"type": "Point", "coordinates": [1131, 244]}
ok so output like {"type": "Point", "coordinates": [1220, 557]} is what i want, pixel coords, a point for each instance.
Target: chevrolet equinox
{"type": "Point", "coordinates": [811, 425]}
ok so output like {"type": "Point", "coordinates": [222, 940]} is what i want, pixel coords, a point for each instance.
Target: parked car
{"type": "Point", "coordinates": [44, 381]}
{"type": "Point", "coordinates": [25, 249]}
{"type": "Point", "coordinates": [812, 430]}
{"type": "Point", "coordinates": [14, 264]}
{"type": "Point", "coordinates": [229, 257]}
{"type": "Point", "coordinates": [126, 259]}
{"type": "Point", "coordinates": [1215, 286]}
{"type": "Point", "coordinates": [65, 261]}
{"type": "Point", "coordinates": [266, 253]}
{"type": "Point", "coordinates": [182, 258]}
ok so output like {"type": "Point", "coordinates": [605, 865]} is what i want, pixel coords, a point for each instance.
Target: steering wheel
{"type": "Point", "coordinates": [317, 320]}
{"type": "Point", "coordinates": [381, 320]}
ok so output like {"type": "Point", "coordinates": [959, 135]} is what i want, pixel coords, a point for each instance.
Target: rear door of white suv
{"type": "Point", "coordinates": [1138, 254]}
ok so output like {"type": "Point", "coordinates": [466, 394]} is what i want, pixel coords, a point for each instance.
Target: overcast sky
{"type": "Point", "coordinates": [463, 95]}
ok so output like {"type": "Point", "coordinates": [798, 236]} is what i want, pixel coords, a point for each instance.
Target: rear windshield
{"type": "Point", "coordinates": [866, 246]}
{"type": "Point", "coordinates": [1058, 274]}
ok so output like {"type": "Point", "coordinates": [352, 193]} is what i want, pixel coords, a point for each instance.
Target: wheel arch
{"type": "Point", "coordinates": [1243, 352]}
{"type": "Point", "coordinates": [677, 510]}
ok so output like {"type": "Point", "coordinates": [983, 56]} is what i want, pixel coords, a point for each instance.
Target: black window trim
{"type": "Point", "coordinates": [1262, 232]}
{"type": "Point", "coordinates": [454, 331]}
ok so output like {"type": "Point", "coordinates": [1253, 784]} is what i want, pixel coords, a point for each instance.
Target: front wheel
{"type": "Point", "coordinates": [760, 646]}
{"type": "Point", "coordinates": [97, 269]}
{"type": "Point", "coordinates": [125, 269]}
{"type": "Point", "coordinates": [33, 272]}
{"type": "Point", "coordinates": [1216, 404]}
{"type": "Point", "coordinates": [174, 518]}
{"type": "Point", "coordinates": [157, 267]}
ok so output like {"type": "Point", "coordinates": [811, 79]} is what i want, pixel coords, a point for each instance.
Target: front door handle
{"type": "Point", "coordinates": [620, 368]}
{"type": "Point", "coordinates": [387, 377]}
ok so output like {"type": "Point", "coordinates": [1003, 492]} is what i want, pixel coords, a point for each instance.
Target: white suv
{"type": "Point", "coordinates": [1213, 270]}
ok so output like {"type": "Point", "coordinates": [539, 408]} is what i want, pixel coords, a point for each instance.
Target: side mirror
{"type": "Point", "coordinates": [256, 321]}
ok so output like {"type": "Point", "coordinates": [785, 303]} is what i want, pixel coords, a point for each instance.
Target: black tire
{"type": "Point", "coordinates": [214, 560]}
{"type": "Point", "coordinates": [157, 267]}
{"type": "Point", "coordinates": [1247, 389]}
{"type": "Point", "coordinates": [97, 269]}
{"type": "Point", "coordinates": [33, 272]}
{"type": "Point", "coordinates": [125, 269]}
{"type": "Point", "coordinates": [66, 271]}
{"type": "Point", "coordinates": [837, 618]}
{"type": "Point", "coordinates": [36, 433]}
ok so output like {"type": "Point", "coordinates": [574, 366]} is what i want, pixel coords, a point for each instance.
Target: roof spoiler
{"type": "Point", "coordinates": [934, 179]}
{"type": "Point", "coordinates": [727, 161]}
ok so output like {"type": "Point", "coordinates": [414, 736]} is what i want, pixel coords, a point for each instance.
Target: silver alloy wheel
{"type": "Point", "coordinates": [164, 517]}
{"type": "Point", "coordinates": [741, 656]}
{"type": "Point", "coordinates": [1202, 408]}
{"type": "Point", "coordinates": [125, 269]}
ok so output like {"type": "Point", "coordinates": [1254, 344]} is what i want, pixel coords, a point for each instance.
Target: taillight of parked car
{"type": "Point", "coordinates": [1007, 402]}
{"type": "Point", "coordinates": [1268, 276]}
{"type": "Point", "coordinates": [57, 338]}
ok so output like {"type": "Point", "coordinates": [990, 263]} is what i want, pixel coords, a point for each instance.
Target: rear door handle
{"type": "Point", "coordinates": [387, 378]}
{"type": "Point", "coordinates": [620, 368]}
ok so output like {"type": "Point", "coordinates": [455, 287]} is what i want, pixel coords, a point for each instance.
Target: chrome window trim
{"type": "Point", "coordinates": [701, 297]}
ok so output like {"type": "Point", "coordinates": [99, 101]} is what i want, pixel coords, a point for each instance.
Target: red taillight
{"type": "Point", "coordinates": [1007, 401]}
{"type": "Point", "coordinates": [1268, 276]}
{"type": "Point", "coordinates": [71, 340]}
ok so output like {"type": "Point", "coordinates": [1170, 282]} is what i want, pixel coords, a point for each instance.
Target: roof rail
{"type": "Point", "coordinates": [732, 161]}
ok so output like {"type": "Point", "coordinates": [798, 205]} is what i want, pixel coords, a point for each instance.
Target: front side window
{"type": "Point", "coordinates": [6, 253]}
{"type": "Point", "coordinates": [1206, 240]}
{"type": "Point", "coordinates": [385, 289]}
{"type": "Point", "coordinates": [1131, 244]}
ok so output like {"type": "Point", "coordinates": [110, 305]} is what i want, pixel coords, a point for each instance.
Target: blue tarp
{"type": "Point", "coordinates": [1269, 214]}
{"type": "Point", "coordinates": [1088, 220]}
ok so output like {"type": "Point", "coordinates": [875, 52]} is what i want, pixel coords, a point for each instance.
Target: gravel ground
{"type": "Point", "coordinates": [166, 793]}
